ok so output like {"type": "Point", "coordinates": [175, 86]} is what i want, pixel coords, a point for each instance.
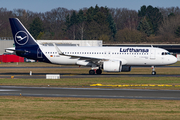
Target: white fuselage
{"type": "Point", "coordinates": [128, 55]}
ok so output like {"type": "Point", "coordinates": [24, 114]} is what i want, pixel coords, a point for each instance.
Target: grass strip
{"type": "Point", "coordinates": [22, 108]}
{"type": "Point", "coordinates": [86, 82]}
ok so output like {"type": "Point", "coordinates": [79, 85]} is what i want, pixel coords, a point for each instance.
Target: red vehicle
{"type": "Point", "coordinates": [10, 58]}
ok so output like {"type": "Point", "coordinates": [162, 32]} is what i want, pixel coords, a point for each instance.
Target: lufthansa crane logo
{"type": "Point", "coordinates": [21, 37]}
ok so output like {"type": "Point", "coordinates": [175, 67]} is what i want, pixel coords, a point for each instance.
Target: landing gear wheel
{"type": "Point", "coordinates": [153, 72]}
{"type": "Point", "coordinates": [91, 72]}
{"type": "Point", "coordinates": [98, 71]}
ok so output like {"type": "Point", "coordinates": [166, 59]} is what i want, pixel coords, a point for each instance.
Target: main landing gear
{"type": "Point", "coordinates": [99, 71]}
{"type": "Point", "coordinates": [93, 72]}
{"type": "Point", "coordinates": [153, 70]}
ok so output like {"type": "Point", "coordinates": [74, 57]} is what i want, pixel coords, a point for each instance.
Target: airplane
{"type": "Point", "coordinates": [108, 59]}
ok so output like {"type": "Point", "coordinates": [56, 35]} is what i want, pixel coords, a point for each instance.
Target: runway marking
{"type": "Point", "coordinates": [89, 92]}
{"type": "Point", "coordinates": [4, 90]}
{"type": "Point", "coordinates": [91, 96]}
{"type": "Point", "coordinates": [137, 85]}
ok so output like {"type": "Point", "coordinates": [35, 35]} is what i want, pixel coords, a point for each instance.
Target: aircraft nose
{"type": "Point", "coordinates": [173, 59]}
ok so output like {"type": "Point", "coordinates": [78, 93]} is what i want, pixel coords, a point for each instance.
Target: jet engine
{"type": "Point", "coordinates": [115, 66]}
{"type": "Point", "coordinates": [112, 66]}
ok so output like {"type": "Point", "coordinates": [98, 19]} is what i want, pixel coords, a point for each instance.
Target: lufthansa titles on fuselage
{"type": "Point", "coordinates": [133, 50]}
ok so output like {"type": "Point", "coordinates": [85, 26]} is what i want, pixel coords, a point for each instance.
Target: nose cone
{"type": "Point", "coordinates": [173, 60]}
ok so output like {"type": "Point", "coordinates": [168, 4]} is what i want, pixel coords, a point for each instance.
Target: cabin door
{"type": "Point", "coordinates": [153, 54]}
{"type": "Point", "coordinates": [39, 53]}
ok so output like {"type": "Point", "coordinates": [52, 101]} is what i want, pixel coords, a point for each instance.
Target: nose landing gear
{"type": "Point", "coordinates": [153, 71]}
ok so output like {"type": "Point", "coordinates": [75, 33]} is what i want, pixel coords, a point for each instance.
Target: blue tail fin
{"type": "Point", "coordinates": [22, 38]}
{"type": "Point", "coordinates": [25, 44]}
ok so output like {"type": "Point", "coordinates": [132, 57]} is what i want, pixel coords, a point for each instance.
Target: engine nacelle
{"type": "Point", "coordinates": [126, 68]}
{"type": "Point", "coordinates": [115, 66]}
{"type": "Point", "coordinates": [112, 66]}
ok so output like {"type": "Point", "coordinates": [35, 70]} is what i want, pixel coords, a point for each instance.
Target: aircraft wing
{"type": "Point", "coordinates": [90, 59]}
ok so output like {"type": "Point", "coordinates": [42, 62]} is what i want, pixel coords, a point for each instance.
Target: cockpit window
{"type": "Point", "coordinates": [165, 53]}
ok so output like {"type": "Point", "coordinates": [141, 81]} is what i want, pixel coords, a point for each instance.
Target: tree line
{"type": "Point", "coordinates": [112, 25]}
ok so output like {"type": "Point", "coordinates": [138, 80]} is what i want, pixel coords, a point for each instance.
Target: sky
{"type": "Point", "coordinates": [48, 5]}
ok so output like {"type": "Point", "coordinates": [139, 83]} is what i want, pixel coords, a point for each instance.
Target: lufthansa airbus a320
{"type": "Point", "coordinates": [109, 59]}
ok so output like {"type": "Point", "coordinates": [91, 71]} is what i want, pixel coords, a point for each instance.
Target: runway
{"type": "Point", "coordinates": [85, 76]}
{"type": "Point", "coordinates": [90, 93]}
{"type": "Point", "coordinates": [86, 92]}
{"type": "Point", "coordinates": [80, 75]}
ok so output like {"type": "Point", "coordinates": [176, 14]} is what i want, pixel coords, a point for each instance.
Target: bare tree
{"type": "Point", "coordinates": [5, 30]}
{"type": "Point", "coordinates": [169, 26]}
{"type": "Point", "coordinates": [167, 11]}
{"type": "Point", "coordinates": [124, 18]}
{"type": "Point", "coordinates": [54, 21]}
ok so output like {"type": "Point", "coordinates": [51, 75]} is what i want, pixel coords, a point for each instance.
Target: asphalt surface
{"type": "Point", "coordinates": [89, 93]}
{"type": "Point", "coordinates": [35, 76]}
{"type": "Point", "coordinates": [69, 75]}
{"type": "Point", "coordinates": [86, 92]}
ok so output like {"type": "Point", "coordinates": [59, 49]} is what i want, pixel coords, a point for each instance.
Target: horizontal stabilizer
{"type": "Point", "coordinates": [13, 50]}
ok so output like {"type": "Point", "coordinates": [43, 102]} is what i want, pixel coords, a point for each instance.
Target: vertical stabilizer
{"type": "Point", "coordinates": [22, 38]}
